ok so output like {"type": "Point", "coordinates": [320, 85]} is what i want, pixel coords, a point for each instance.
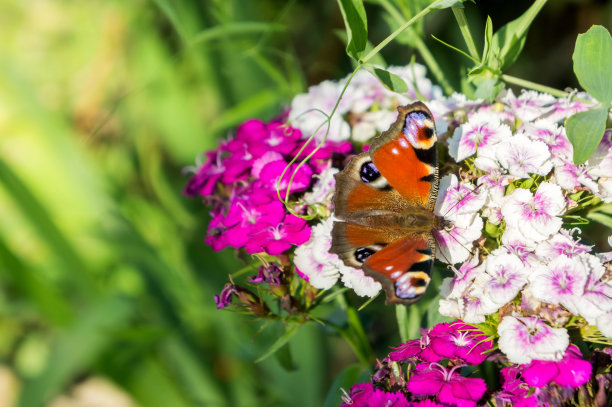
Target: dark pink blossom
{"type": "Point", "coordinates": [215, 236]}
{"type": "Point", "coordinates": [321, 157]}
{"type": "Point", "coordinates": [263, 137]}
{"type": "Point", "coordinates": [268, 274]}
{"type": "Point", "coordinates": [225, 296]}
{"type": "Point", "coordinates": [460, 341]}
{"type": "Point", "coordinates": [277, 237]}
{"type": "Point", "coordinates": [446, 384]}
{"type": "Point", "coordinates": [571, 371]}
{"type": "Point", "coordinates": [272, 171]}
{"type": "Point", "coordinates": [207, 176]}
{"type": "Point", "coordinates": [243, 220]}
{"type": "Point", "coordinates": [514, 390]}
{"type": "Point", "coordinates": [415, 348]}
{"type": "Point", "coordinates": [366, 395]}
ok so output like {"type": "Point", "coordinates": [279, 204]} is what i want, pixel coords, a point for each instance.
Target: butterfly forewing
{"type": "Point", "coordinates": [385, 200]}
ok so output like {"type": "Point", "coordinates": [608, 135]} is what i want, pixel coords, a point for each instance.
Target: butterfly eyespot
{"type": "Point", "coordinates": [369, 172]}
{"type": "Point", "coordinates": [363, 253]}
{"type": "Point", "coordinates": [419, 282]}
{"type": "Point", "coordinates": [429, 132]}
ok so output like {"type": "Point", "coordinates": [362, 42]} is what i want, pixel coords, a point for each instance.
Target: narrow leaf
{"type": "Point", "coordinates": [601, 218]}
{"type": "Point", "coordinates": [401, 314]}
{"type": "Point", "coordinates": [593, 63]}
{"type": "Point", "coordinates": [280, 342]}
{"type": "Point", "coordinates": [585, 131]}
{"type": "Point", "coordinates": [389, 80]}
{"type": "Point", "coordinates": [510, 39]}
{"type": "Point", "coordinates": [356, 25]}
{"type": "Point", "coordinates": [449, 3]}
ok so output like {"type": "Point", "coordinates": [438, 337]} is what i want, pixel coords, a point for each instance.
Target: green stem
{"type": "Point", "coordinates": [397, 32]}
{"type": "Point", "coordinates": [465, 31]}
{"type": "Point", "coordinates": [433, 66]}
{"type": "Point", "coordinates": [535, 86]}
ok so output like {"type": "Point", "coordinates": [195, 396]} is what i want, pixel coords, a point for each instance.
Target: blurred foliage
{"type": "Point", "coordinates": [103, 268]}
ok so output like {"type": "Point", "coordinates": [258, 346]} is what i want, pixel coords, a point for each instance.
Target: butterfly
{"type": "Point", "coordinates": [384, 202]}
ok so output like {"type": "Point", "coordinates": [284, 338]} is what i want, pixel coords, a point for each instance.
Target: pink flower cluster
{"type": "Point", "coordinates": [458, 345]}
{"type": "Point", "coordinates": [240, 180]}
{"type": "Point", "coordinates": [431, 382]}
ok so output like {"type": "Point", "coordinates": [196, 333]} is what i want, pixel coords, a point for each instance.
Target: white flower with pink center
{"type": "Point", "coordinates": [561, 243]}
{"type": "Point", "coordinates": [605, 189]}
{"type": "Point", "coordinates": [558, 281]}
{"type": "Point", "coordinates": [477, 302]}
{"type": "Point", "coordinates": [524, 339]}
{"type": "Point", "coordinates": [534, 216]}
{"type": "Point", "coordinates": [506, 275]}
{"type": "Point", "coordinates": [522, 156]}
{"type": "Point", "coordinates": [566, 107]}
{"type": "Point", "coordinates": [553, 136]}
{"type": "Point", "coordinates": [314, 260]}
{"type": "Point", "coordinates": [514, 243]}
{"type": "Point", "coordinates": [480, 133]}
{"type": "Point", "coordinates": [570, 176]}
{"type": "Point", "coordinates": [455, 287]}
{"type": "Point", "coordinates": [529, 105]}
{"type": "Point", "coordinates": [458, 198]}
{"type": "Point", "coordinates": [596, 298]}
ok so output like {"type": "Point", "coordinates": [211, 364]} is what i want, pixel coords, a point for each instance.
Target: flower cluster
{"type": "Point", "coordinates": [241, 180]}
{"type": "Point", "coordinates": [435, 365]}
{"type": "Point", "coordinates": [521, 271]}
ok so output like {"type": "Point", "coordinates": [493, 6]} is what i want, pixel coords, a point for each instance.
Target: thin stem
{"type": "Point", "coordinates": [465, 32]}
{"type": "Point", "coordinates": [397, 32]}
{"type": "Point", "coordinates": [535, 86]}
{"type": "Point", "coordinates": [431, 62]}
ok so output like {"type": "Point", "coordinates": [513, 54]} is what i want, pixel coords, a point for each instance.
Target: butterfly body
{"type": "Point", "coordinates": [384, 204]}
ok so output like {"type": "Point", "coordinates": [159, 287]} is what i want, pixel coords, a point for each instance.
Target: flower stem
{"type": "Point", "coordinates": [465, 31]}
{"type": "Point", "coordinates": [397, 32]}
{"type": "Point", "coordinates": [535, 86]}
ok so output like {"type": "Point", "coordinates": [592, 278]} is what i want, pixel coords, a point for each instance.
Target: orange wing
{"type": "Point", "coordinates": [406, 155]}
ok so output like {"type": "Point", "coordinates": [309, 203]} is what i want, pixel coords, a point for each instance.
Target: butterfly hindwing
{"type": "Point", "coordinates": [403, 268]}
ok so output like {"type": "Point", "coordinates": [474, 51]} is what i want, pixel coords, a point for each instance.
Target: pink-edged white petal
{"type": "Point", "coordinates": [314, 260]}
{"type": "Point", "coordinates": [522, 156]}
{"type": "Point", "coordinates": [455, 243]}
{"type": "Point", "coordinates": [604, 190]}
{"type": "Point", "coordinates": [482, 131]}
{"type": "Point", "coordinates": [529, 105]}
{"type": "Point", "coordinates": [363, 285]}
{"type": "Point", "coordinates": [561, 243]}
{"type": "Point", "coordinates": [323, 187]}
{"type": "Point", "coordinates": [600, 163]}
{"type": "Point", "coordinates": [604, 324]}
{"type": "Point", "coordinates": [534, 216]}
{"type": "Point", "coordinates": [464, 276]}
{"type": "Point", "coordinates": [553, 136]}
{"type": "Point", "coordinates": [508, 276]}
{"type": "Point", "coordinates": [570, 176]}
{"type": "Point", "coordinates": [559, 280]}
{"type": "Point", "coordinates": [457, 199]}
{"type": "Point", "coordinates": [523, 339]}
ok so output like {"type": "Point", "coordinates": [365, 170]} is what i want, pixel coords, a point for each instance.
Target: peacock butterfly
{"type": "Point", "coordinates": [384, 203]}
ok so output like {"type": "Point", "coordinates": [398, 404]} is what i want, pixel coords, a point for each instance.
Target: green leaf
{"type": "Point", "coordinates": [593, 63]}
{"type": "Point", "coordinates": [585, 130]}
{"type": "Point", "coordinates": [488, 42]}
{"type": "Point", "coordinates": [487, 86]}
{"type": "Point", "coordinates": [349, 376]}
{"type": "Point", "coordinates": [491, 229]}
{"type": "Point", "coordinates": [449, 3]}
{"type": "Point", "coordinates": [510, 39]}
{"type": "Point", "coordinates": [601, 218]}
{"type": "Point", "coordinates": [390, 80]}
{"type": "Point", "coordinates": [356, 25]}
{"type": "Point", "coordinates": [280, 342]}
{"type": "Point", "coordinates": [285, 359]}
{"type": "Point", "coordinates": [401, 314]}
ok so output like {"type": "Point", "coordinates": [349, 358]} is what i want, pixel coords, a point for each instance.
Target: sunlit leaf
{"type": "Point", "coordinates": [585, 131]}
{"type": "Point", "coordinates": [593, 63]}
{"type": "Point", "coordinates": [390, 80]}
{"type": "Point", "coordinates": [356, 25]}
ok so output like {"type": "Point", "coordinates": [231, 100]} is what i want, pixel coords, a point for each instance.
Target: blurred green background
{"type": "Point", "coordinates": [106, 284]}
